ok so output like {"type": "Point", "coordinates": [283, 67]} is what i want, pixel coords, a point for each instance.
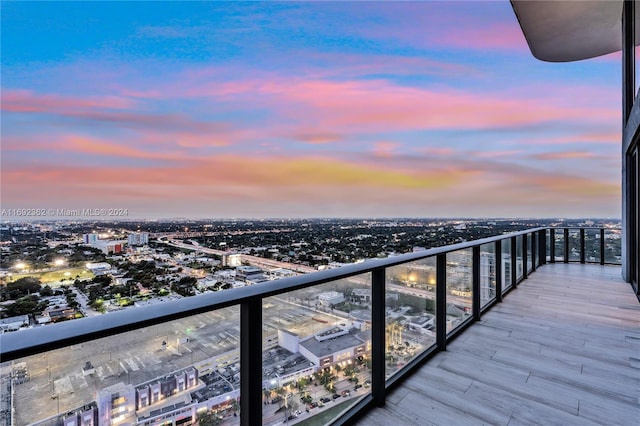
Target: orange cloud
{"type": "Point", "coordinates": [285, 186]}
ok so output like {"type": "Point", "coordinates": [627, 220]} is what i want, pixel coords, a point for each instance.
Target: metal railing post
{"type": "Point", "coordinates": [378, 336]}
{"type": "Point", "coordinates": [525, 256]}
{"type": "Point", "coordinates": [514, 261]}
{"type": "Point", "coordinates": [534, 255]}
{"type": "Point", "coordinates": [498, 251]}
{"type": "Point", "coordinates": [552, 245]}
{"type": "Point", "coordinates": [566, 245]}
{"type": "Point", "coordinates": [251, 362]}
{"type": "Point", "coordinates": [582, 254]}
{"type": "Point", "coordinates": [602, 246]}
{"type": "Point", "coordinates": [475, 282]}
{"type": "Point", "coordinates": [441, 301]}
{"type": "Point", "coordinates": [542, 246]}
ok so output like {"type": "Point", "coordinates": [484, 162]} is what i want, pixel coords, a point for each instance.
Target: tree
{"type": "Point", "coordinates": [20, 288]}
{"type": "Point", "coordinates": [23, 306]}
{"type": "Point", "coordinates": [281, 393]}
{"type": "Point", "coordinates": [208, 419]}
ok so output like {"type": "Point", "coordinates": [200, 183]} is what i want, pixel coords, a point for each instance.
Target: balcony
{"type": "Point", "coordinates": [562, 349]}
{"type": "Point", "coordinates": [561, 346]}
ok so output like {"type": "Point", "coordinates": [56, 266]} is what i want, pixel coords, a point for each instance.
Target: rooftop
{"type": "Point", "coordinates": [330, 346]}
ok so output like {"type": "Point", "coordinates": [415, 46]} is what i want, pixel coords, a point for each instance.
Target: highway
{"type": "Point", "coordinates": [262, 262]}
{"type": "Point", "coordinates": [252, 260]}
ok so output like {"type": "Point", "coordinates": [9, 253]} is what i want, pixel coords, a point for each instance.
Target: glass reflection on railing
{"type": "Point", "coordinates": [538, 256]}
{"type": "Point", "coordinates": [592, 245]}
{"type": "Point", "coordinates": [559, 245]}
{"type": "Point", "coordinates": [613, 246]}
{"type": "Point", "coordinates": [410, 324]}
{"type": "Point", "coordinates": [519, 257]}
{"type": "Point", "coordinates": [168, 373]}
{"type": "Point", "coordinates": [506, 264]}
{"type": "Point", "coordinates": [316, 351]}
{"type": "Point", "coordinates": [459, 287]}
{"type": "Point", "coordinates": [487, 273]}
{"type": "Point", "coordinates": [529, 252]}
{"type": "Point", "coordinates": [574, 245]}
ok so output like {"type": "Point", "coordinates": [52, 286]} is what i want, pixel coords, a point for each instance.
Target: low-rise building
{"type": "Point", "coordinates": [360, 296]}
{"type": "Point", "coordinates": [14, 323]}
{"type": "Point", "coordinates": [329, 298]}
{"type": "Point", "coordinates": [250, 273]}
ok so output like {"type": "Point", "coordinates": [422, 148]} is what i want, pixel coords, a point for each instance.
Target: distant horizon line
{"type": "Point", "coordinates": [276, 218]}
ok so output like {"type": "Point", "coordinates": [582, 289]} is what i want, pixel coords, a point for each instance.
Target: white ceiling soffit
{"type": "Point", "coordinates": [563, 31]}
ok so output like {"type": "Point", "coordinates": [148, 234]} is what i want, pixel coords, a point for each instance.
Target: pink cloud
{"type": "Point", "coordinates": [315, 137]}
{"type": "Point", "coordinates": [495, 36]}
{"type": "Point", "coordinates": [371, 106]}
{"type": "Point", "coordinates": [99, 147]}
{"type": "Point", "coordinates": [564, 155]}
{"type": "Point", "coordinates": [610, 138]}
{"type": "Point", "coordinates": [26, 101]}
{"type": "Point", "coordinates": [438, 151]}
{"type": "Point", "coordinates": [101, 110]}
{"type": "Point", "coordinates": [499, 153]}
{"type": "Point", "coordinates": [384, 148]}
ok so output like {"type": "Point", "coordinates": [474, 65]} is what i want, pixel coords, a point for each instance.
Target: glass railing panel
{"type": "Point", "coordinates": [559, 245]}
{"type": "Point", "coordinates": [506, 264]}
{"type": "Point", "coordinates": [592, 245]}
{"type": "Point", "coordinates": [316, 351]}
{"type": "Point", "coordinates": [529, 252]}
{"type": "Point", "coordinates": [410, 312]}
{"type": "Point", "coordinates": [519, 257]}
{"type": "Point", "coordinates": [613, 246]}
{"type": "Point", "coordinates": [547, 237]}
{"type": "Point", "coordinates": [536, 235]}
{"type": "Point", "coordinates": [459, 287]}
{"type": "Point", "coordinates": [487, 274]}
{"type": "Point", "coordinates": [171, 372]}
{"type": "Point", "coordinates": [574, 245]}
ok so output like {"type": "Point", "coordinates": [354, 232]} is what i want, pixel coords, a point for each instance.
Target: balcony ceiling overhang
{"type": "Point", "coordinates": [564, 31]}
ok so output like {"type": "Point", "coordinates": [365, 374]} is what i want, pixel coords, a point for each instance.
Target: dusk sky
{"type": "Point", "coordinates": [305, 109]}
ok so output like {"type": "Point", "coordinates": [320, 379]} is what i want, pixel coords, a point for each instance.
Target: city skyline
{"type": "Point", "coordinates": [301, 110]}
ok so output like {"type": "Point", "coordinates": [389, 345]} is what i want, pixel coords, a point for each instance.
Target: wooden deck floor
{"type": "Point", "coordinates": [562, 349]}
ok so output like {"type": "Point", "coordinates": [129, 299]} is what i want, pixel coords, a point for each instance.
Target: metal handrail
{"type": "Point", "coordinates": [41, 339]}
